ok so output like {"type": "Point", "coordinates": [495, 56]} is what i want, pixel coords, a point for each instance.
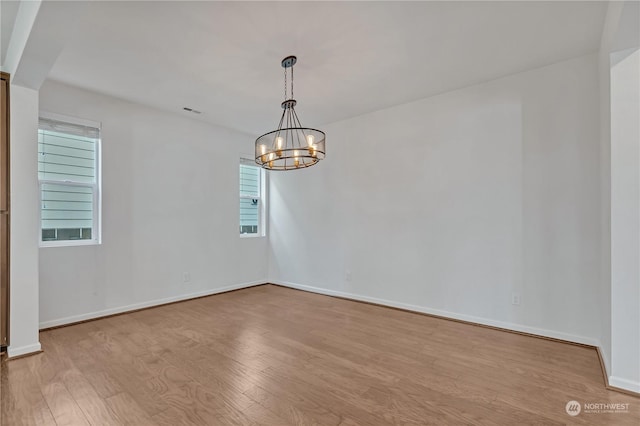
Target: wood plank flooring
{"type": "Point", "coordinates": [275, 356]}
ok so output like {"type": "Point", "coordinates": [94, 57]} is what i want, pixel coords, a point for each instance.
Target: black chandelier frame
{"type": "Point", "coordinates": [293, 146]}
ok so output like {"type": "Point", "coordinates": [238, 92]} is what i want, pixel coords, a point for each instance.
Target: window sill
{"type": "Point", "coordinates": [69, 243]}
{"type": "Point", "coordinates": [252, 236]}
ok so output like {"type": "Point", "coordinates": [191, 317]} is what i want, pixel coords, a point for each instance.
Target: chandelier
{"type": "Point", "coordinates": [291, 146]}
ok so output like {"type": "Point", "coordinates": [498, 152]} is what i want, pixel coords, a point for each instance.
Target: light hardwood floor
{"type": "Point", "coordinates": [275, 356]}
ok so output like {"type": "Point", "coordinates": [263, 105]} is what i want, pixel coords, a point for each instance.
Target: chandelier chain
{"type": "Point", "coordinates": [285, 83]}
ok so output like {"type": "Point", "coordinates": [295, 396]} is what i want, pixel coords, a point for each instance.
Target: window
{"type": "Point", "coordinates": [69, 177]}
{"type": "Point", "coordinates": [251, 199]}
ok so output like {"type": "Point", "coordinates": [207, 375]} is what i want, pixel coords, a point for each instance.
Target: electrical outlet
{"type": "Point", "coordinates": [347, 275]}
{"type": "Point", "coordinates": [186, 277]}
{"type": "Point", "coordinates": [515, 299]}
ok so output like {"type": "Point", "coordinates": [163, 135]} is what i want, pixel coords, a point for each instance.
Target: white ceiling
{"type": "Point", "coordinates": [8, 12]}
{"type": "Point", "coordinates": [223, 58]}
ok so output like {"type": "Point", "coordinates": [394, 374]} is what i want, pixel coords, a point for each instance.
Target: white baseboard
{"type": "Point", "coordinates": [23, 350]}
{"type": "Point", "coordinates": [605, 361]}
{"type": "Point", "coordinates": [141, 305]}
{"type": "Point", "coordinates": [624, 384]}
{"type": "Point", "coordinates": [446, 314]}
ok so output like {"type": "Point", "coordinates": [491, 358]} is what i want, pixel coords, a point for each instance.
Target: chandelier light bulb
{"type": "Point", "coordinates": [263, 150]}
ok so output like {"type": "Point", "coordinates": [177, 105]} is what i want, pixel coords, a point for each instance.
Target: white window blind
{"type": "Point", "coordinates": [251, 203]}
{"type": "Point", "coordinates": [68, 175]}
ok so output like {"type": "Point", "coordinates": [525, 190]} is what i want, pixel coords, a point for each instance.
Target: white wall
{"type": "Point", "coordinates": [23, 332]}
{"type": "Point", "coordinates": [453, 203]}
{"type": "Point", "coordinates": [625, 219]}
{"type": "Point", "coordinates": [170, 205]}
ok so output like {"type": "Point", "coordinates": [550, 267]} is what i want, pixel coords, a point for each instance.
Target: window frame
{"type": "Point", "coordinates": [96, 187]}
{"type": "Point", "coordinates": [262, 232]}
